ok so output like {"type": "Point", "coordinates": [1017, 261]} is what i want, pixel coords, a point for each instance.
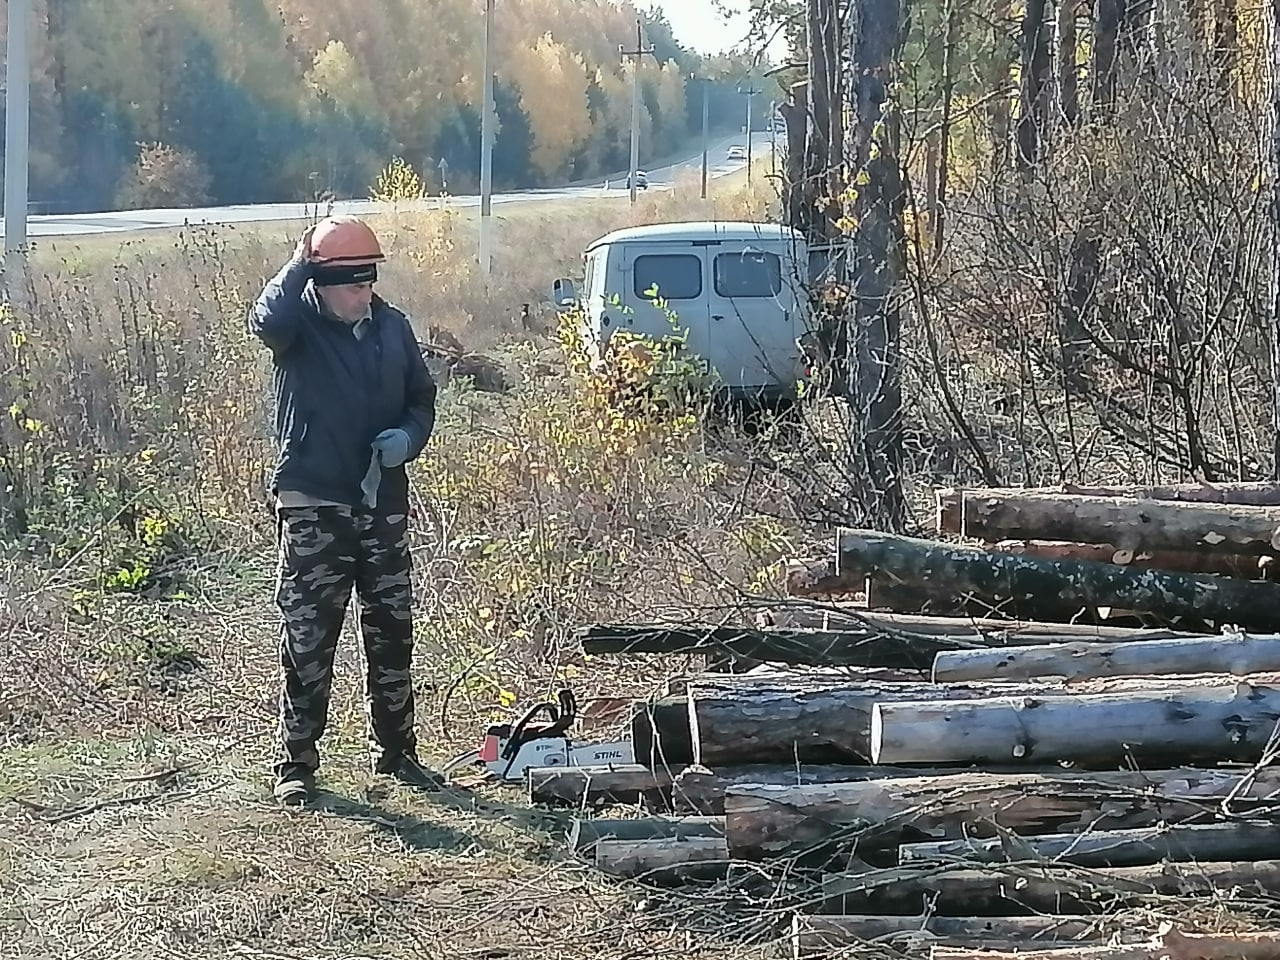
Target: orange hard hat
{"type": "Point", "coordinates": [345, 242]}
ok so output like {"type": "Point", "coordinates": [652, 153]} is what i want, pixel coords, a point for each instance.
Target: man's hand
{"type": "Point", "coordinates": [392, 446]}
{"type": "Point", "coordinates": [303, 250]}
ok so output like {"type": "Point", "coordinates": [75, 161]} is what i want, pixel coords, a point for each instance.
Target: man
{"type": "Point", "coordinates": [353, 404]}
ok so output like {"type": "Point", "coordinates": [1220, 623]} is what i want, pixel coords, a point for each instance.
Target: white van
{"type": "Point", "coordinates": [736, 288]}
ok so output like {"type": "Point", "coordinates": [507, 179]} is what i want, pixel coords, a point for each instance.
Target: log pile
{"type": "Point", "coordinates": [1000, 783]}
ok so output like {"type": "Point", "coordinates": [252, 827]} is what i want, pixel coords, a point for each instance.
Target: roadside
{"type": "Point", "coordinates": [76, 253]}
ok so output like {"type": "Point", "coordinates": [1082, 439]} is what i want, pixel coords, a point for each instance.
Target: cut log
{"type": "Point", "coordinates": [1009, 890]}
{"type": "Point", "coordinates": [1021, 586]}
{"type": "Point", "coordinates": [664, 861]}
{"type": "Point", "coordinates": [971, 631]}
{"type": "Point", "coordinates": [817, 578]}
{"type": "Point", "coordinates": [1175, 561]}
{"type": "Point", "coordinates": [818, 936]}
{"type": "Point", "coordinates": [825, 721]}
{"type": "Point", "coordinates": [588, 786]}
{"type": "Point", "coordinates": [1237, 654]}
{"type": "Point", "coordinates": [887, 595]}
{"type": "Point", "coordinates": [660, 733]}
{"type": "Point", "coordinates": [699, 790]}
{"type": "Point", "coordinates": [949, 500]}
{"type": "Point", "coordinates": [1170, 723]}
{"type": "Point", "coordinates": [814, 820]}
{"type": "Point", "coordinates": [853, 648]}
{"type": "Point", "coordinates": [584, 833]}
{"type": "Point", "coordinates": [1168, 946]}
{"type": "Point", "coordinates": [1238, 840]}
{"type": "Point", "coordinates": [1130, 524]}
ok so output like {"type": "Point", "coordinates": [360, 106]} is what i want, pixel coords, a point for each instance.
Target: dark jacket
{"type": "Point", "coordinates": [334, 393]}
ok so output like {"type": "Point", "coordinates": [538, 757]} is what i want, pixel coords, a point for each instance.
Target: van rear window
{"type": "Point", "coordinates": [677, 276]}
{"type": "Point", "coordinates": [752, 273]}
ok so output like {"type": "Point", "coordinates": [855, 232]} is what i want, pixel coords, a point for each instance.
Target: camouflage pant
{"type": "Point", "coordinates": [324, 551]}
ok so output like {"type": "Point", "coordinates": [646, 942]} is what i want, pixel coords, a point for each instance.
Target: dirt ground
{"type": "Point", "coordinates": [155, 835]}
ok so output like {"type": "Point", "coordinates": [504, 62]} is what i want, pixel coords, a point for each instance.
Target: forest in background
{"type": "Point", "coordinates": [139, 103]}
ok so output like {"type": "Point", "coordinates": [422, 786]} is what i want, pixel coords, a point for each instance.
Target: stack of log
{"type": "Point", "coordinates": [1002, 782]}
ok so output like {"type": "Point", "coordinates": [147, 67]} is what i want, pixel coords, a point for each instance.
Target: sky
{"type": "Point", "coordinates": [699, 24]}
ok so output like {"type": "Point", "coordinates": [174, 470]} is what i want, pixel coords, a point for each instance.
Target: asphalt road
{"type": "Point", "coordinates": [82, 224]}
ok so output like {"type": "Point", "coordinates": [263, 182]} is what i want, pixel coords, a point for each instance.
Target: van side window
{"type": "Point", "coordinates": [752, 273]}
{"type": "Point", "coordinates": [677, 276]}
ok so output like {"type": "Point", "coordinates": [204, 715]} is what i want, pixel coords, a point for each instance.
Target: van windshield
{"type": "Point", "coordinates": [751, 273]}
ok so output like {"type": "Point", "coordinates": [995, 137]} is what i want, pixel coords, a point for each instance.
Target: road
{"type": "Point", "coordinates": [84, 224]}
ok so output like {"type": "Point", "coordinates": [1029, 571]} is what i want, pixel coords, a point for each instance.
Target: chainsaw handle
{"type": "Point", "coordinates": [560, 718]}
{"type": "Point", "coordinates": [517, 737]}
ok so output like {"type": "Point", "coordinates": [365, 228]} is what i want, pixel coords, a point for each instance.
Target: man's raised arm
{"type": "Point", "coordinates": [274, 317]}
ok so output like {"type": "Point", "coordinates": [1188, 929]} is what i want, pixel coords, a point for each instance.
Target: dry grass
{"type": "Point", "coordinates": [138, 638]}
{"type": "Point", "coordinates": [138, 663]}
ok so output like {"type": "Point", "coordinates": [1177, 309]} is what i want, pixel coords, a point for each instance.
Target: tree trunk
{"type": "Point", "coordinates": [949, 500]}
{"type": "Point", "coordinates": [1068, 70]}
{"type": "Point", "coordinates": [1106, 29]}
{"type": "Point", "coordinates": [1226, 29]}
{"type": "Point", "coordinates": [1011, 889]}
{"type": "Point", "coordinates": [1173, 722]}
{"type": "Point", "coordinates": [670, 860]}
{"type": "Point", "coordinates": [796, 193]}
{"type": "Point", "coordinates": [849, 648]}
{"type": "Point", "coordinates": [814, 937]}
{"type": "Point", "coordinates": [1029, 587]}
{"type": "Point", "coordinates": [879, 264]}
{"type": "Point", "coordinates": [1112, 848]}
{"type": "Point", "coordinates": [763, 822]}
{"type": "Point", "coordinates": [824, 721]}
{"type": "Point", "coordinates": [1238, 655]}
{"type": "Point", "coordinates": [1172, 561]}
{"type": "Point", "coordinates": [590, 786]}
{"type": "Point", "coordinates": [698, 790]}
{"type": "Point", "coordinates": [1035, 88]}
{"type": "Point", "coordinates": [1270, 150]}
{"type": "Point", "coordinates": [1168, 945]}
{"type": "Point", "coordinates": [1126, 522]}
{"type": "Point", "coordinates": [585, 834]}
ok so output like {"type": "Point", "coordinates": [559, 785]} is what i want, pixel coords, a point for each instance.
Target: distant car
{"type": "Point", "coordinates": [737, 152]}
{"type": "Point", "coordinates": [642, 180]}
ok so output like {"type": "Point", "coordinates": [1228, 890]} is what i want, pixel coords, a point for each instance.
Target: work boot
{"type": "Point", "coordinates": [409, 770]}
{"type": "Point", "coordinates": [295, 785]}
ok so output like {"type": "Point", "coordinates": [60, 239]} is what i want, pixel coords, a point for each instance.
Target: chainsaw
{"type": "Point", "coordinates": [509, 749]}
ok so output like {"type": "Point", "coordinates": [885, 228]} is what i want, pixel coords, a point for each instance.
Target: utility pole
{"type": "Point", "coordinates": [751, 92]}
{"type": "Point", "coordinates": [635, 54]}
{"type": "Point", "coordinates": [705, 83]}
{"type": "Point", "coordinates": [17, 104]}
{"type": "Point", "coordinates": [486, 146]}
{"type": "Point", "coordinates": [773, 137]}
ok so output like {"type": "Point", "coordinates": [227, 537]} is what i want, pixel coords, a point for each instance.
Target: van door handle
{"type": "Point", "coordinates": [717, 316]}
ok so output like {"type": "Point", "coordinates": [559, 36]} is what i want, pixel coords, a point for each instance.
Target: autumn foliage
{"type": "Point", "coordinates": [269, 100]}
